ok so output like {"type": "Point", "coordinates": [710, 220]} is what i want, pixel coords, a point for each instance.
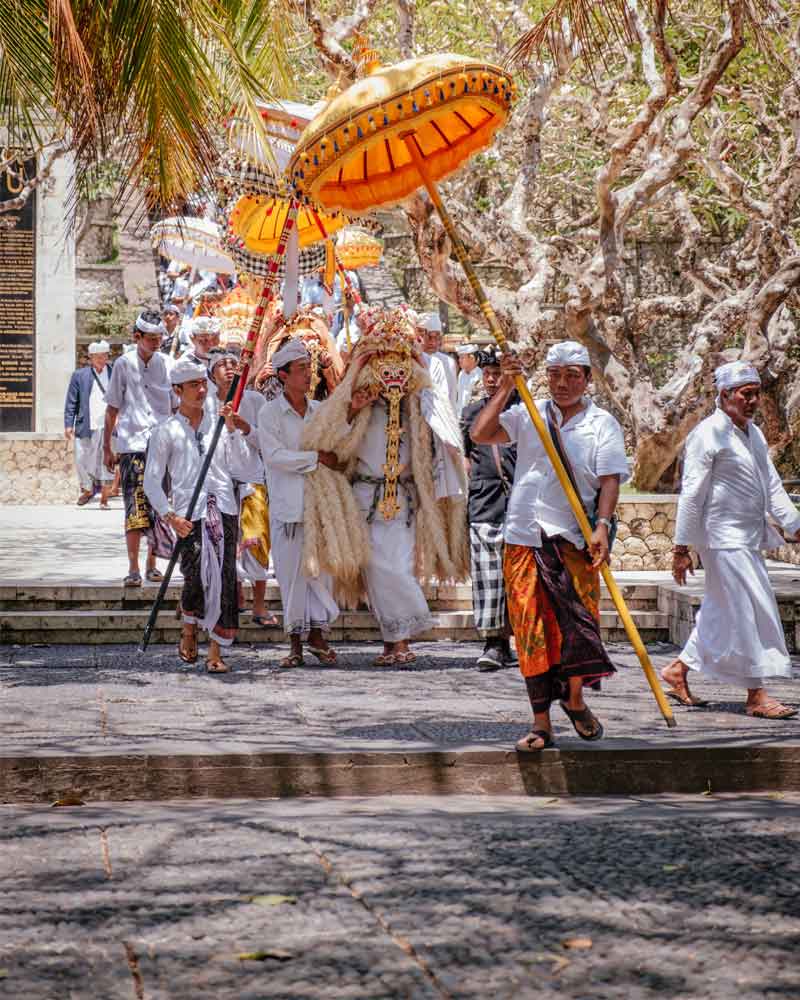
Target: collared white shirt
{"type": "Point", "coordinates": [280, 430]}
{"type": "Point", "coordinates": [466, 384]}
{"type": "Point", "coordinates": [451, 374]}
{"type": "Point", "coordinates": [178, 448]}
{"type": "Point", "coordinates": [97, 399]}
{"type": "Point", "coordinates": [246, 464]}
{"type": "Point", "coordinates": [143, 395]}
{"type": "Point", "coordinates": [729, 487]}
{"type": "Point", "coordinates": [595, 446]}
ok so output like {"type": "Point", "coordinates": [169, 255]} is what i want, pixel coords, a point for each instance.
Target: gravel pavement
{"type": "Point", "coordinates": [680, 897]}
{"type": "Point", "coordinates": [100, 700]}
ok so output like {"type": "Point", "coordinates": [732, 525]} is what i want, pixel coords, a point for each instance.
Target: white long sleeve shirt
{"type": "Point", "coordinates": [467, 381]}
{"type": "Point", "coordinates": [729, 487]}
{"type": "Point", "coordinates": [143, 395]}
{"type": "Point", "coordinates": [246, 464]}
{"type": "Point", "coordinates": [595, 446]}
{"type": "Point", "coordinates": [176, 447]}
{"type": "Point", "coordinates": [280, 430]}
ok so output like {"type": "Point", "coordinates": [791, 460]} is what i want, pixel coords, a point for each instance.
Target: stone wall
{"type": "Point", "coordinates": [37, 469]}
{"type": "Point", "coordinates": [644, 534]}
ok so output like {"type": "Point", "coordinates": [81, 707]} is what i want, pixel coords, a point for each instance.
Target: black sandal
{"type": "Point", "coordinates": [586, 717]}
{"type": "Point", "coordinates": [524, 745]}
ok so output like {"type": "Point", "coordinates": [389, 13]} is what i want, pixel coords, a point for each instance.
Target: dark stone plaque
{"type": "Point", "coordinates": [17, 304]}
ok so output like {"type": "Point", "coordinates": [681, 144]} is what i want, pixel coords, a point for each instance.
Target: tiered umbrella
{"type": "Point", "coordinates": [196, 242]}
{"type": "Point", "coordinates": [407, 126]}
{"type": "Point", "coordinates": [357, 248]}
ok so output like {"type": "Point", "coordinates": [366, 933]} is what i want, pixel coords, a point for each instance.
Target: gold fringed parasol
{"type": "Point", "coordinates": [407, 126]}
{"type": "Point", "coordinates": [357, 248]}
{"type": "Point", "coordinates": [258, 222]}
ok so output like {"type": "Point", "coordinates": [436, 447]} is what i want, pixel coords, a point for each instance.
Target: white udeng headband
{"type": "Point", "coordinates": [144, 327]}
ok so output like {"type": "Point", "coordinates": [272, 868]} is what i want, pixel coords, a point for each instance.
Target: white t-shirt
{"type": "Point", "coordinates": [595, 446]}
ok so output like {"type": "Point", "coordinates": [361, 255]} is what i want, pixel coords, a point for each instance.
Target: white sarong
{"type": "Point", "coordinates": [738, 637]}
{"type": "Point", "coordinates": [307, 602]}
{"type": "Point", "coordinates": [395, 596]}
{"type": "Point", "coordinates": [89, 460]}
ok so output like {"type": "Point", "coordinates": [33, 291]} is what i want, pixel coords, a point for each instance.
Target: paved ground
{"type": "Point", "coordinates": [101, 700]}
{"type": "Point", "coordinates": [425, 899]}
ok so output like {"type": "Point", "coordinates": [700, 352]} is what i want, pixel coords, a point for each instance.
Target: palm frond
{"type": "Point", "coordinates": [590, 24]}
{"type": "Point", "coordinates": [594, 25]}
{"type": "Point", "coordinates": [26, 73]}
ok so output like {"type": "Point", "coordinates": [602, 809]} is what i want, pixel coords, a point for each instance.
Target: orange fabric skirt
{"type": "Point", "coordinates": [536, 630]}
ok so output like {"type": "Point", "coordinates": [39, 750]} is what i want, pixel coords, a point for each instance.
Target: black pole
{"type": "Point", "coordinates": [176, 551]}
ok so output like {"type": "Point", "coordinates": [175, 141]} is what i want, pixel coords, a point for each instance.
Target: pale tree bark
{"type": "Point", "coordinates": [736, 304]}
{"type": "Point", "coordinates": [50, 158]}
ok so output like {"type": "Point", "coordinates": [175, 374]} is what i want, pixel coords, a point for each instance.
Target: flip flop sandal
{"type": "Point", "coordinates": [585, 717]}
{"type": "Point", "coordinates": [264, 622]}
{"type": "Point", "coordinates": [772, 711]}
{"type": "Point", "coordinates": [326, 656]}
{"type": "Point", "coordinates": [293, 660]}
{"type": "Point", "coordinates": [154, 576]}
{"type": "Point", "coordinates": [689, 701]}
{"type": "Point", "coordinates": [83, 499]}
{"type": "Point", "coordinates": [187, 650]}
{"type": "Point", "coordinates": [525, 744]}
{"type": "Point", "coordinates": [132, 580]}
{"type": "Point", "coordinates": [407, 657]}
{"type": "Point", "coordinates": [217, 667]}
{"type": "Point", "coordinates": [385, 660]}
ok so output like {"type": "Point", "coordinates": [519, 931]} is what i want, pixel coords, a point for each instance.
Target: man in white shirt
{"type": "Point", "coordinates": [730, 487]}
{"type": "Point", "coordinates": [205, 333]}
{"type": "Point", "coordinates": [208, 554]}
{"type": "Point", "coordinates": [430, 327]}
{"type": "Point", "coordinates": [247, 470]}
{"type": "Point", "coordinates": [552, 583]}
{"type": "Point", "coordinates": [470, 376]}
{"type": "Point", "coordinates": [84, 419]}
{"type": "Point", "coordinates": [309, 608]}
{"type": "Point", "coordinates": [139, 397]}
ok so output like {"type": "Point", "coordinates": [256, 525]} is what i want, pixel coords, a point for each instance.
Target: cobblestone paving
{"type": "Point", "coordinates": [102, 700]}
{"type": "Point", "coordinates": [682, 898]}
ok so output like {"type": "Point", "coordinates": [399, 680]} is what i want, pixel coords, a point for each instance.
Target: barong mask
{"type": "Point", "coordinates": [391, 334]}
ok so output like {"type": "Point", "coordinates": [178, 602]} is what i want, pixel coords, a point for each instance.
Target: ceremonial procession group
{"type": "Point", "coordinates": [360, 476]}
{"type": "Point", "coordinates": [361, 465]}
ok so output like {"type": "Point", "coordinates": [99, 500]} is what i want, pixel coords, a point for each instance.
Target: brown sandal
{"type": "Point", "coordinates": [686, 699]}
{"type": "Point", "coordinates": [217, 666]}
{"type": "Point", "coordinates": [292, 660]}
{"type": "Point", "coordinates": [187, 650]}
{"type": "Point", "coordinates": [771, 710]}
{"type": "Point", "coordinates": [584, 717]}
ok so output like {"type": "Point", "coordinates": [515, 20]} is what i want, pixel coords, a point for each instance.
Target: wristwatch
{"type": "Point", "coordinates": [606, 521]}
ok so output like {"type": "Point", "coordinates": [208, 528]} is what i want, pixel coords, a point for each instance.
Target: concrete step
{"type": "Point", "coordinates": [109, 597]}
{"type": "Point", "coordinates": [101, 627]}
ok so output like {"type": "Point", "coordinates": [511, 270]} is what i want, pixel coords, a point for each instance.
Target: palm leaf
{"type": "Point", "coordinates": [26, 72]}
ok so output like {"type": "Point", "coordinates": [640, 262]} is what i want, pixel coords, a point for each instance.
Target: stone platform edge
{"type": "Point", "coordinates": [271, 775]}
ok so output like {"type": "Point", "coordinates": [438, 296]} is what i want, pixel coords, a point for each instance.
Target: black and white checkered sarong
{"type": "Point", "coordinates": [488, 589]}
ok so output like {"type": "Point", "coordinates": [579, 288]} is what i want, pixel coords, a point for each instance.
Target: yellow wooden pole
{"type": "Point", "coordinates": [541, 429]}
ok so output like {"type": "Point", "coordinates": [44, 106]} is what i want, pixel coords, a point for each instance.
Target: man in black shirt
{"type": "Point", "coordinates": [491, 473]}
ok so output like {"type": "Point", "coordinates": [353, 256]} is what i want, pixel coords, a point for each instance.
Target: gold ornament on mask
{"type": "Point", "coordinates": [314, 348]}
{"type": "Point", "coordinates": [392, 371]}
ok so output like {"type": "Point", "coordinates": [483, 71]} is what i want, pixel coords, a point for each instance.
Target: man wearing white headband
{"type": "Point", "coordinates": [176, 330]}
{"type": "Point", "coordinates": [247, 470]}
{"type": "Point", "coordinates": [84, 419]}
{"type": "Point", "coordinates": [429, 326]}
{"type": "Point", "coordinates": [470, 376]}
{"type": "Point", "coordinates": [552, 588]}
{"type": "Point", "coordinates": [139, 397]}
{"type": "Point", "coordinates": [730, 487]}
{"type": "Point", "coordinates": [205, 333]}
{"type": "Point", "coordinates": [208, 557]}
{"type": "Point", "coordinates": [309, 608]}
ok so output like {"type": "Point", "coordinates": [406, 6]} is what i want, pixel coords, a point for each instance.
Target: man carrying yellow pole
{"type": "Point", "coordinates": [552, 580]}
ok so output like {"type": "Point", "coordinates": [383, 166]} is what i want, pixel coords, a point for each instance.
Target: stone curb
{"type": "Point", "coordinates": [118, 778]}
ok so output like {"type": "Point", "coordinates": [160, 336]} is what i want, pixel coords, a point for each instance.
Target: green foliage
{"type": "Point", "coordinates": [112, 322]}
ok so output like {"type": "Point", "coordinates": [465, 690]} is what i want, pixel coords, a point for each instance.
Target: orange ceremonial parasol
{"type": "Point", "coordinates": [356, 248]}
{"type": "Point", "coordinates": [407, 126]}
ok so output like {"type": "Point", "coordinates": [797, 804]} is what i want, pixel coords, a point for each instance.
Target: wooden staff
{"type": "Point", "coordinates": [577, 508]}
{"type": "Point", "coordinates": [235, 397]}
